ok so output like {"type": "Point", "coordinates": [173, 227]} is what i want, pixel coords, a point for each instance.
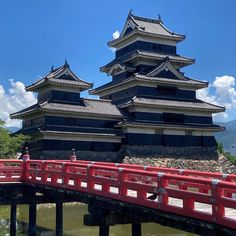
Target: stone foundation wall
{"type": "Point", "coordinates": [81, 155]}
{"type": "Point", "coordinates": [127, 152]}
{"type": "Point", "coordinates": [195, 158]}
{"type": "Point", "coordinates": [190, 152]}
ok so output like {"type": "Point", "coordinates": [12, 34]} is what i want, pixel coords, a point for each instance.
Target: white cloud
{"type": "Point", "coordinates": [116, 34]}
{"type": "Point", "coordinates": [14, 100]}
{"type": "Point", "coordinates": [221, 92]}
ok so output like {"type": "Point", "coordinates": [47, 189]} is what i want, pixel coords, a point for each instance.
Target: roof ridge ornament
{"type": "Point", "coordinates": [159, 17]}
{"type": "Point", "coordinates": [167, 59]}
{"type": "Point", "coordinates": [52, 68]}
{"type": "Point", "coordinates": [66, 65]}
{"type": "Point", "coordinates": [130, 12]}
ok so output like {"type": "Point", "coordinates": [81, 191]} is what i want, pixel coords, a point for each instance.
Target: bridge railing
{"type": "Point", "coordinates": [185, 172]}
{"type": "Point", "coordinates": [202, 197]}
{"type": "Point", "coordinates": [11, 170]}
{"type": "Point", "coordinates": [207, 199]}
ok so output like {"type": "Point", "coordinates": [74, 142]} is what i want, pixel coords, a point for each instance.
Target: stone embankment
{"type": "Point", "coordinates": [222, 165]}
{"type": "Point", "coordinates": [219, 164]}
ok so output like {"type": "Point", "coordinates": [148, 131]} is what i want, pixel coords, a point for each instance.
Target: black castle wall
{"type": "Point", "coordinates": [146, 46]}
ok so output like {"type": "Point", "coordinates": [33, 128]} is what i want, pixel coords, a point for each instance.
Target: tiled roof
{"type": "Point", "coordinates": [156, 80]}
{"type": "Point", "coordinates": [53, 78]}
{"type": "Point", "coordinates": [146, 26]}
{"type": "Point", "coordinates": [91, 107]}
{"type": "Point", "coordinates": [156, 55]}
{"type": "Point", "coordinates": [212, 127]}
{"type": "Point", "coordinates": [167, 80]}
{"type": "Point", "coordinates": [174, 104]}
{"type": "Point", "coordinates": [154, 26]}
{"type": "Point", "coordinates": [149, 55]}
{"type": "Point", "coordinates": [28, 110]}
{"type": "Point", "coordinates": [106, 135]}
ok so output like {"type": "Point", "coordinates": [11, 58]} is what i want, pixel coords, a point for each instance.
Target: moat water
{"type": "Point", "coordinates": [73, 223]}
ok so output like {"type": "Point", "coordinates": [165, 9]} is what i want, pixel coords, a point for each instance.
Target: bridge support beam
{"type": "Point", "coordinates": [59, 218]}
{"type": "Point", "coordinates": [13, 220]}
{"type": "Point", "coordinates": [32, 219]}
{"type": "Point", "coordinates": [136, 229]}
{"type": "Point", "coordinates": [103, 230]}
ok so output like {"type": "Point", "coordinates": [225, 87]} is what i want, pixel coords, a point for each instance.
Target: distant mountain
{"type": "Point", "coordinates": [227, 137]}
{"type": "Point", "coordinates": [13, 129]}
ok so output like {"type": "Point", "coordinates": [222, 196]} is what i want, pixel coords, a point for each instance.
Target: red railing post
{"type": "Point", "coordinates": [188, 204]}
{"type": "Point", "coordinates": [218, 210]}
{"type": "Point", "coordinates": [65, 170]}
{"type": "Point", "coordinates": [122, 176]}
{"type": "Point", "coordinates": [225, 177]}
{"type": "Point", "coordinates": [44, 175]}
{"type": "Point", "coordinates": [161, 191]}
{"type": "Point", "coordinates": [181, 184]}
{"type": "Point", "coordinates": [90, 175]}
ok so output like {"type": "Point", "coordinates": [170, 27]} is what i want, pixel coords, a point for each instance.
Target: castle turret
{"type": "Point", "coordinates": [148, 84]}
{"type": "Point", "coordinates": [62, 119]}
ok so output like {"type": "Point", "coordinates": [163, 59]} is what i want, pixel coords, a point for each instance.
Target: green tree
{"type": "Point", "coordinates": [220, 148]}
{"type": "Point", "coordinates": [9, 143]}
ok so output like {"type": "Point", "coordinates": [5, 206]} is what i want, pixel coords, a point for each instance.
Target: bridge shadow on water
{"type": "Point", "coordinates": [73, 223]}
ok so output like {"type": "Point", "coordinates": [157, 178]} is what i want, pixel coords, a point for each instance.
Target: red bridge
{"type": "Point", "coordinates": [199, 202]}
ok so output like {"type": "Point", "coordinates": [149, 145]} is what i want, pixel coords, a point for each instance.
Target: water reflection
{"type": "Point", "coordinates": [73, 223]}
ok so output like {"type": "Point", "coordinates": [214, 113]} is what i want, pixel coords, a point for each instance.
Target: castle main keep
{"type": "Point", "coordinates": [148, 108]}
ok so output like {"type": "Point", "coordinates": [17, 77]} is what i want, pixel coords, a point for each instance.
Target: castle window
{"type": "Point", "coordinates": [189, 132]}
{"type": "Point", "coordinates": [166, 91]}
{"type": "Point", "coordinates": [173, 118]}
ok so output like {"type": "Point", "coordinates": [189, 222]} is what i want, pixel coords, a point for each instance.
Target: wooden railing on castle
{"type": "Point", "coordinates": [182, 192]}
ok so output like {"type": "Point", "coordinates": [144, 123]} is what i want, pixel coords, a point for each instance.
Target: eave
{"type": "Point", "coordinates": [25, 112]}
{"type": "Point", "coordinates": [115, 42]}
{"type": "Point", "coordinates": [179, 107]}
{"type": "Point", "coordinates": [180, 60]}
{"type": "Point", "coordinates": [82, 134]}
{"type": "Point", "coordinates": [82, 114]}
{"type": "Point", "coordinates": [139, 80]}
{"type": "Point", "coordinates": [41, 110]}
{"type": "Point", "coordinates": [214, 128]}
{"type": "Point", "coordinates": [149, 56]}
{"type": "Point", "coordinates": [60, 83]}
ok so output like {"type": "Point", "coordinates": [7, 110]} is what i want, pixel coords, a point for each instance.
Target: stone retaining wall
{"type": "Point", "coordinates": [196, 158]}
{"type": "Point", "coordinates": [154, 151]}
{"type": "Point", "coordinates": [81, 155]}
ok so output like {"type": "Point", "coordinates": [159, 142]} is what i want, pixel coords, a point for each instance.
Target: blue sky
{"type": "Point", "coordinates": [38, 34]}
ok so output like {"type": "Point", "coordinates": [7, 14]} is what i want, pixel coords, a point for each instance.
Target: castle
{"type": "Point", "coordinates": [149, 105]}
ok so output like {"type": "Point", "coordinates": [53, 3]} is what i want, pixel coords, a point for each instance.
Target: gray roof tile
{"type": "Point", "coordinates": [174, 104]}
{"type": "Point", "coordinates": [157, 80]}
{"type": "Point", "coordinates": [171, 125]}
{"type": "Point", "coordinates": [154, 26]}
{"type": "Point", "coordinates": [150, 27]}
{"type": "Point", "coordinates": [153, 55]}
{"type": "Point", "coordinates": [91, 107]}
{"type": "Point", "coordinates": [157, 55]}
{"type": "Point", "coordinates": [52, 78]}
